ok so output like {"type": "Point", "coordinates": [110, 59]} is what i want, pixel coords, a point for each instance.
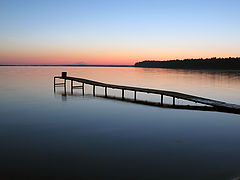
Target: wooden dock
{"type": "Point", "coordinates": [174, 95]}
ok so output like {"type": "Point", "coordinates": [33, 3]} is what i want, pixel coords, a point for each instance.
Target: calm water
{"type": "Point", "coordinates": [47, 135]}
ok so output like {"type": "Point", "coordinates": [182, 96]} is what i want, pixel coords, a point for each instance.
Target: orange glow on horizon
{"type": "Point", "coordinates": [102, 56]}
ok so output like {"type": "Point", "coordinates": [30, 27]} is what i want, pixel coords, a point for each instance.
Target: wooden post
{"type": "Point", "coordinates": [105, 91]}
{"type": "Point", "coordinates": [83, 89]}
{"type": "Point", "coordinates": [135, 95]}
{"type": "Point", "coordinates": [93, 90]}
{"type": "Point", "coordinates": [71, 86]}
{"type": "Point", "coordinates": [54, 81]}
{"type": "Point", "coordinates": [173, 101]}
{"type": "Point", "coordinates": [122, 93]}
{"type": "Point", "coordinates": [161, 99]}
{"type": "Point", "coordinates": [64, 74]}
{"type": "Point", "coordinates": [65, 84]}
{"type": "Point", "coordinates": [65, 87]}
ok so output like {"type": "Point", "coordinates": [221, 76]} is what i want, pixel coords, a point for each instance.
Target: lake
{"type": "Point", "coordinates": [48, 135]}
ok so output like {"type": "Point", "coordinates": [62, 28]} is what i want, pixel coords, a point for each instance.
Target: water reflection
{"type": "Point", "coordinates": [64, 96]}
{"type": "Point", "coordinates": [223, 86]}
{"type": "Point", "coordinates": [42, 137]}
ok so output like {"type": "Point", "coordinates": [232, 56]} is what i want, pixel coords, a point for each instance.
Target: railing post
{"type": "Point", "coordinates": [64, 74]}
{"type": "Point", "coordinates": [122, 93]}
{"type": "Point", "coordinates": [173, 101]}
{"type": "Point", "coordinates": [135, 95]}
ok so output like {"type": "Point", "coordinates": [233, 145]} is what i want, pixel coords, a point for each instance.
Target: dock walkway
{"type": "Point", "coordinates": [162, 93]}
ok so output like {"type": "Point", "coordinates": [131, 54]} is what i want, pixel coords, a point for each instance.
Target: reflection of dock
{"type": "Point", "coordinates": [217, 105]}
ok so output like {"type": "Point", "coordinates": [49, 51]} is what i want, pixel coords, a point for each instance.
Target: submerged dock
{"type": "Point", "coordinates": [219, 105]}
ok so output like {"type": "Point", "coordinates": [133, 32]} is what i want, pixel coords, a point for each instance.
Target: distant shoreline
{"type": "Point", "coordinates": [194, 64]}
{"type": "Point", "coordinates": [68, 65]}
{"type": "Point", "coordinates": [219, 64]}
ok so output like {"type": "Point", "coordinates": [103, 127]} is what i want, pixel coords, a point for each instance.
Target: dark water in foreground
{"type": "Point", "coordinates": [44, 135]}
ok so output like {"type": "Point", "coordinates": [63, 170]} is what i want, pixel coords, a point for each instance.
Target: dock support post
{"type": "Point", "coordinates": [93, 90]}
{"type": "Point", "coordinates": [54, 81]}
{"type": "Point", "coordinates": [71, 86]}
{"type": "Point", "coordinates": [122, 93]}
{"type": "Point", "coordinates": [83, 89]}
{"type": "Point", "coordinates": [105, 91]}
{"type": "Point", "coordinates": [173, 101]}
{"type": "Point", "coordinates": [135, 95]}
{"type": "Point", "coordinates": [65, 87]}
{"type": "Point", "coordinates": [161, 99]}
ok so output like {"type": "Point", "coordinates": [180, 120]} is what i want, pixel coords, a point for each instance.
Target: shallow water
{"type": "Point", "coordinates": [47, 135]}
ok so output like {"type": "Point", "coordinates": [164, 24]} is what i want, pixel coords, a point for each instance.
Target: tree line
{"type": "Point", "coordinates": [231, 63]}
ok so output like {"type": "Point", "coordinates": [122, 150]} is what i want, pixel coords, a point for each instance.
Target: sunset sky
{"type": "Point", "coordinates": [116, 32]}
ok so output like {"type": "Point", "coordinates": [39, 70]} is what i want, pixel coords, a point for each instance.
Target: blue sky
{"type": "Point", "coordinates": [116, 32]}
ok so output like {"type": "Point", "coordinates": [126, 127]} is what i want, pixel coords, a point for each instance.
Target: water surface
{"type": "Point", "coordinates": [47, 135]}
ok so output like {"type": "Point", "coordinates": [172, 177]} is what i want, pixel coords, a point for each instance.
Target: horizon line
{"type": "Point", "coordinates": [96, 65]}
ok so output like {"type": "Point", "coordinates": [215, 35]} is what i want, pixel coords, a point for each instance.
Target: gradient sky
{"type": "Point", "coordinates": [116, 32]}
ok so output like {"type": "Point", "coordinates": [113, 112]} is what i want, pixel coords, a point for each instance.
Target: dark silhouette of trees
{"type": "Point", "coordinates": [230, 63]}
